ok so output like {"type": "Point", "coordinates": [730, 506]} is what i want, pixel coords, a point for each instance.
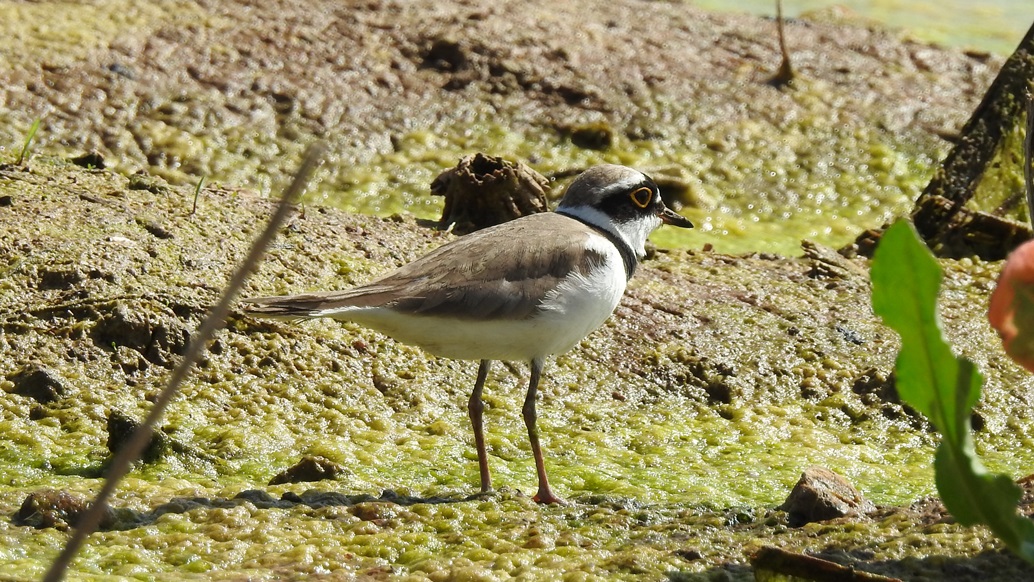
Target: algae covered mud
{"type": "Point", "coordinates": [675, 429]}
{"type": "Point", "coordinates": [995, 25]}
{"type": "Point", "coordinates": [232, 92]}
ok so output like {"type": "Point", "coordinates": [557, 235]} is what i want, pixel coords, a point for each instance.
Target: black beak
{"type": "Point", "coordinates": [668, 216]}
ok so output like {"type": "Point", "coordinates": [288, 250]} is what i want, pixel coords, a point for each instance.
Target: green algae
{"type": "Point", "coordinates": [996, 26]}
{"type": "Point", "coordinates": [1001, 187]}
{"type": "Point", "coordinates": [752, 187]}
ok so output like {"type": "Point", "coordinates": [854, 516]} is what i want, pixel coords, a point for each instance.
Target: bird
{"type": "Point", "coordinates": [522, 290]}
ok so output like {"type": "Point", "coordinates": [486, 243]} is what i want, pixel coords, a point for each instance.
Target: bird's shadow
{"type": "Point", "coordinates": [126, 518]}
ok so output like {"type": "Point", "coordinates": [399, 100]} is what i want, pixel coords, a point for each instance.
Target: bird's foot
{"type": "Point", "coordinates": [546, 497]}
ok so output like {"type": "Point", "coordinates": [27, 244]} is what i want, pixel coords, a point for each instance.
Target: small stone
{"type": "Point", "coordinates": [820, 495]}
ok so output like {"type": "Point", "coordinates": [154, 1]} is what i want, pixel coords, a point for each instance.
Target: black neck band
{"type": "Point", "coordinates": [627, 254]}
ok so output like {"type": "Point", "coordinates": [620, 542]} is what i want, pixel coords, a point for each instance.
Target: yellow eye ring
{"type": "Point", "coordinates": [641, 197]}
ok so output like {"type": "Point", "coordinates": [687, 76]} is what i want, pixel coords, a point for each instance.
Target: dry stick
{"type": "Point", "coordinates": [785, 74]}
{"type": "Point", "coordinates": [132, 449]}
{"type": "Point", "coordinates": [1028, 155]}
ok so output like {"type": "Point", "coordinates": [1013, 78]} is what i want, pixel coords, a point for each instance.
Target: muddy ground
{"type": "Point", "coordinates": [676, 429]}
{"type": "Point", "coordinates": [232, 92]}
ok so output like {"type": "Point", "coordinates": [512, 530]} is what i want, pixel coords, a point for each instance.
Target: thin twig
{"type": "Point", "coordinates": [138, 441]}
{"type": "Point", "coordinates": [1028, 155]}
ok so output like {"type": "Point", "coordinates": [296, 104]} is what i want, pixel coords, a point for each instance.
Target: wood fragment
{"type": "Point", "coordinates": [939, 214]}
{"type": "Point", "coordinates": [770, 559]}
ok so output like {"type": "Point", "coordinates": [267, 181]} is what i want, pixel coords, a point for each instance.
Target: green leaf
{"type": "Point", "coordinates": [906, 279]}
{"type": "Point", "coordinates": [905, 282]}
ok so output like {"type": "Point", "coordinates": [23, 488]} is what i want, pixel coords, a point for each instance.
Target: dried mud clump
{"type": "Point", "coordinates": [121, 428]}
{"type": "Point", "coordinates": [51, 508]}
{"type": "Point", "coordinates": [309, 469]}
{"type": "Point", "coordinates": [39, 383]}
{"type": "Point", "coordinates": [483, 191]}
{"type": "Point", "coordinates": [158, 337]}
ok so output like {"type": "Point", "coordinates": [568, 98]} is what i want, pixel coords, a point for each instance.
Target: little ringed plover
{"type": "Point", "coordinates": [522, 290]}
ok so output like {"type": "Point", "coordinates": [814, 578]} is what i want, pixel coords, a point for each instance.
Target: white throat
{"type": "Point", "coordinates": [632, 233]}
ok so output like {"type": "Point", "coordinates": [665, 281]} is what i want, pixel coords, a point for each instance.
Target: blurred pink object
{"type": "Point", "coordinates": [1011, 311]}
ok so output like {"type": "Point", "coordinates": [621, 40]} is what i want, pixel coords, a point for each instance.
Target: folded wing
{"type": "Point", "coordinates": [502, 272]}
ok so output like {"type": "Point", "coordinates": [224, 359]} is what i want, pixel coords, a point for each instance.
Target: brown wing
{"type": "Point", "coordinates": [502, 272]}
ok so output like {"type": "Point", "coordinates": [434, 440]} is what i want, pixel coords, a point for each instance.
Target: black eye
{"type": "Point", "coordinates": [641, 197]}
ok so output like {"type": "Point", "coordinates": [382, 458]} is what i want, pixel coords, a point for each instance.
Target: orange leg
{"type": "Point", "coordinates": [544, 495]}
{"type": "Point", "coordinates": [475, 409]}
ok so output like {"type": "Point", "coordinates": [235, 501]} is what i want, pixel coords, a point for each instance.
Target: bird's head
{"type": "Point", "coordinates": [622, 201]}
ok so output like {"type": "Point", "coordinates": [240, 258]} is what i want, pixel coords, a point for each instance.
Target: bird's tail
{"type": "Point", "coordinates": [285, 307]}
